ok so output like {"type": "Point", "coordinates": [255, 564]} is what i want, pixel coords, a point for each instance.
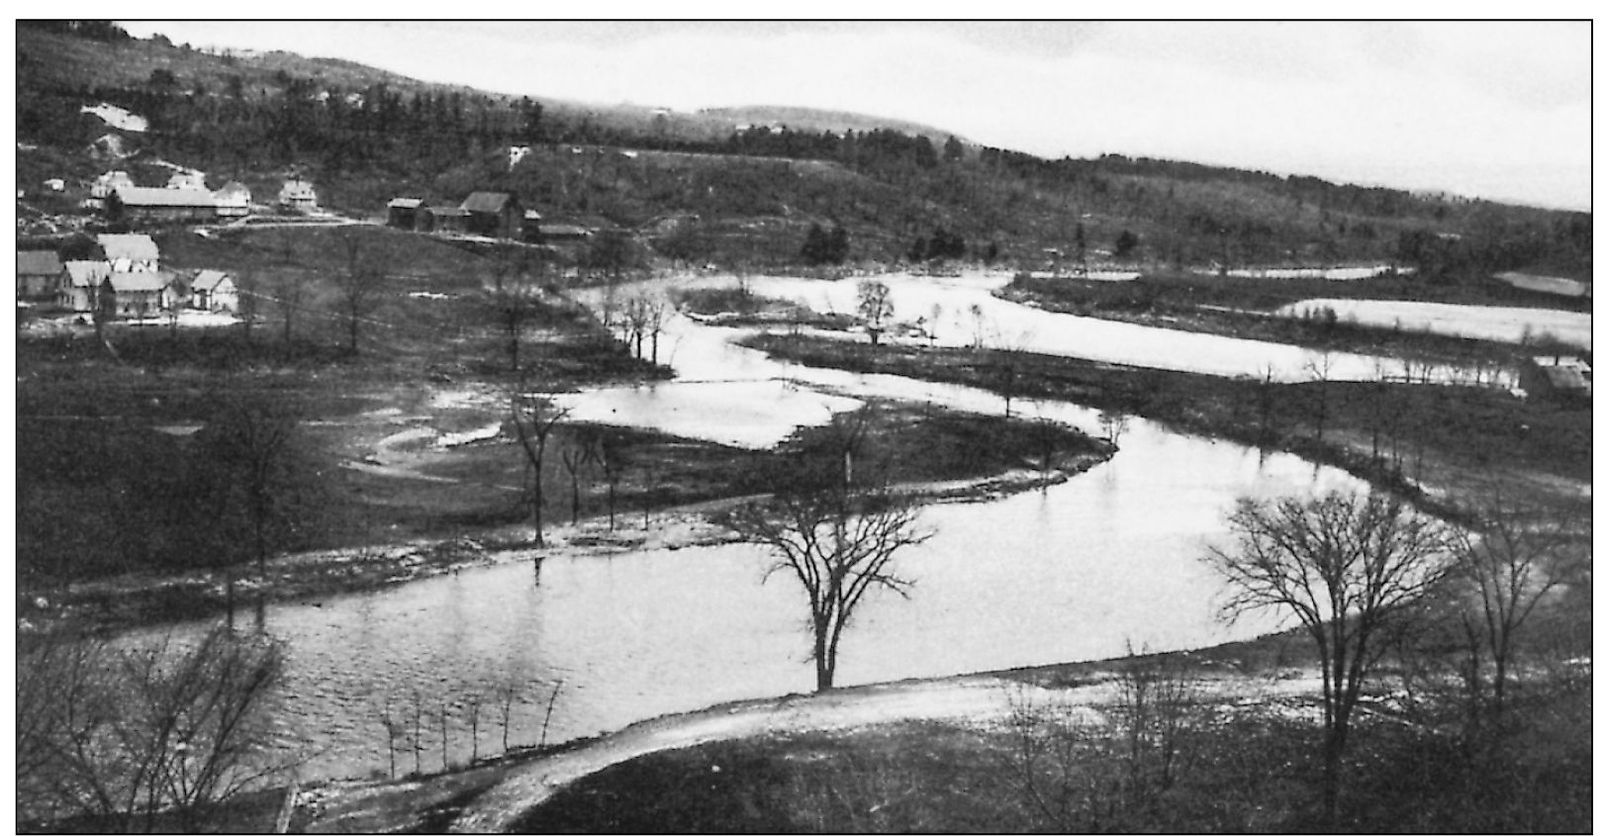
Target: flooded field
{"type": "Point", "coordinates": [1510, 325]}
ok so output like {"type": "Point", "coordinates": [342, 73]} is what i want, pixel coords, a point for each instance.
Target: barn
{"type": "Point", "coordinates": [493, 214]}
{"type": "Point", "coordinates": [138, 205]}
{"type": "Point", "coordinates": [409, 213]}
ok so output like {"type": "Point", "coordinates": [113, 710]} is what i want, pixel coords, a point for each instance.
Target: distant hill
{"type": "Point", "coordinates": [366, 135]}
{"type": "Point", "coordinates": [812, 119]}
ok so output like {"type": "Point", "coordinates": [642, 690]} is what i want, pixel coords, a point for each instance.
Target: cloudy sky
{"type": "Point", "coordinates": [1490, 109]}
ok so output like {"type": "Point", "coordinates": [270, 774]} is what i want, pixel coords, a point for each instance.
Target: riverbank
{"type": "Point", "coordinates": [945, 754]}
{"type": "Point", "coordinates": [1247, 308]}
{"type": "Point", "coordinates": [151, 599]}
{"type": "Point", "coordinates": [1441, 445]}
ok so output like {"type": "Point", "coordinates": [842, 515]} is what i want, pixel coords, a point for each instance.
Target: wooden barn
{"type": "Point", "coordinates": [411, 213]}
{"type": "Point", "coordinates": [135, 206]}
{"type": "Point", "coordinates": [38, 275]}
{"type": "Point", "coordinates": [493, 214]}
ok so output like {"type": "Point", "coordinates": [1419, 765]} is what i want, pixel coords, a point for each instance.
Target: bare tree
{"type": "Point", "coordinates": [1114, 425]}
{"type": "Point", "coordinates": [580, 452]}
{"type": "Point", "coordinates": [1518, 554]}
{"type": "Point", "coordinates": [534, 418]}
{"type": "Point", "coordinates": [875, 307]}
{"type": "Point", "coordinates": [129, 734]}
{"type": "Point", "coordinates": [289, 291]}
{"type": "Point", "coordinates": [263, 481]}
{"type": "Point", "coordinates": [1320, 369]}
{"type": "Point", "coordinates": [514, 292]}
{"type": "Point", "coordinates": [836, 553]}
{"type": "Point", "coordinates": [359, 286]}
{"type": "Point", "coordinates": [1350, 569]}
{"type": "Point", "coordinates": [656, 308]}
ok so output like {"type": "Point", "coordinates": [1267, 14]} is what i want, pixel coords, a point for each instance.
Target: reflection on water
{"type": "Point", "coordinates": [1078, 571]}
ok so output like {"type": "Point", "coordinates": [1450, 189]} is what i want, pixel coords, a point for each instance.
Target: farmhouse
{"type": "Point", "coordinates": [214, 290]}
{"type": "Point", "coordinates": [130, 253]}
{"type": "Point", "coordinates": [139, 295]}
{"type": "Point", "coordinates": [233, 200]}
{"type": "Point", "coordinates": [1557, 378]}
{"type": "Point", "coordinates": [297, 195]}
{"type": "Point", "coordinates": [493, 214]}
{"type": "Point", "coordinates": [134, 205]}
{"type": "Point", "coordinates": [79, 283]}
{"type": "Point", "coordinates": [407, 213]}
{"type": "Point", "coordinates": [38, 275]}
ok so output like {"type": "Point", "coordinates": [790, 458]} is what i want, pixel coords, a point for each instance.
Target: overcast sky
{"type": "Point", "coordinates": [1489, 109]}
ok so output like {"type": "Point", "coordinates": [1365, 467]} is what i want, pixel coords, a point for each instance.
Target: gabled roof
{"type": "Point", "coordinates": [87, 273]}
{"type": "Point", "coordinates": [487, 201]}
{"type": "Point", "coordinates": [133, 247]}
{"type": "Point", "coordinates": [406, 203]}
{"type": "Point", "coordinates": [210, 280]}
{"type": "Point", "coordinates": [532, 215]}
{"type": "Point", "coordinates": [233, 187]}
{"type": "Point", "coordinates": [140, 282]}
{"type": "Point", "coordinates": [38, 263]}
{"type": "Point", "coordinates": [143, 196]}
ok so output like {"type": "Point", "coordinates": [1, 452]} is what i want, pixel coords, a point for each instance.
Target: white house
{"type": "Point", "coordinates": [214, 290]}
{"type": "Point", "coordinates": [297, 195]}
{"type": "Point", "coordinates": [80, 281]}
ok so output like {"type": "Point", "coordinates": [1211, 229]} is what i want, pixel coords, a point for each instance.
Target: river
{"type": "Point", "coordinates": [1082, 570]}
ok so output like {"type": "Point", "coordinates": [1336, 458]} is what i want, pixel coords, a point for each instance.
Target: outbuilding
{"type": "Point", "coordinates": [493, 214]}
{"type": "Point", "coordinates": [407, 213]}
{"type": "Point", "coordinates": [233, 200]}
{"type": "Point", "coordinates": [1557, 379]}
{"type": "Point", "coordinates": [214, 290]}
{"type": "Point", "coordinates": [38, 275]}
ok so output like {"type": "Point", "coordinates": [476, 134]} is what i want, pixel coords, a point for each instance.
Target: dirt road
{"type": "Point", "coordinates": [979, 699]}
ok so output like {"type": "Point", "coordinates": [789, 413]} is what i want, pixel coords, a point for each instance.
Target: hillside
{"type": "Point", "coordinates": [744, 194]}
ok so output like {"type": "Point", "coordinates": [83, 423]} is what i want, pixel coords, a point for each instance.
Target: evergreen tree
{"type": "Point", "coordinates": [837, 244]}
{"type": "Point", "coordinates": [816, 247]}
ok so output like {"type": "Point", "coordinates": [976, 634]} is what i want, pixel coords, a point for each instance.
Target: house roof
{"type": "Point", "coordinates": [564, 230]}
{"type": "Point", "coordinates": [144, 196]}
{"type": "Point", "coordinates": [134, 247]}
{"type": "Point", "coordinates": [87, 273]}
{"type": "Point", "coordinates": [233, 187]}
{"type": "Point", "coordinates": [532, 215]}
{"type": "Point", "coordinates": [1566, 378]}
{"type": "Point", "coordinates": [488, 201]}
{"type": "Point", "coordinates": [406, 203]}
{"type": "Point", "coordinates": [210, 280]}
{"type": "Point", "coordinates": [38, 263]}
{"type": "Point", "coordinates": [140, 282]}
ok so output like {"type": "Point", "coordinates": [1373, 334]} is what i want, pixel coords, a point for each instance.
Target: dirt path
{"type": "Point", "coordinates": [976, 699]}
